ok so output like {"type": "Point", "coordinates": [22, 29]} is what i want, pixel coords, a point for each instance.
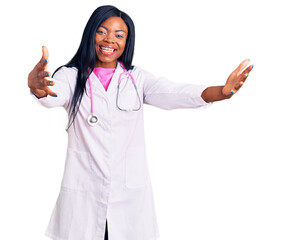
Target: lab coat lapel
{"type": "Point", "coordinates": [98, 86]}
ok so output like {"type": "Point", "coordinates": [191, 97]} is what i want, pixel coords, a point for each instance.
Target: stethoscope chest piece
{"type": "Point", "coordinates": [92, 120]}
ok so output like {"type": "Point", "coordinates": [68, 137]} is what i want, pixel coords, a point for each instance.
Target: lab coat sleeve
{"type": "Point", "coordinates": [163, 93]}
{"type": "Point", "coordinates": [61, 87]}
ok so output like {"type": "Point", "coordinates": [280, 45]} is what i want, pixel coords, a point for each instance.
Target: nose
{"type": "Point", "coordinates": [109, 38]}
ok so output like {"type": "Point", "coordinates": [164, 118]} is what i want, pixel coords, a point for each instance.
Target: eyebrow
{"type": "Point", "coordinates": [115, 31]}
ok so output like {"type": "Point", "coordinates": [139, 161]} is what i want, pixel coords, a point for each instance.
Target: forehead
{"type": "Point", "coordinates": [115, 23]}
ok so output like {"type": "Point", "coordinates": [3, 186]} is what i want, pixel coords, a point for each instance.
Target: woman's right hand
{"type": "Point", "coordinates": [37, 78]}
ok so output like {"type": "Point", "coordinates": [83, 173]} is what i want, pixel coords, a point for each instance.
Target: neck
{"type": "Point", "coordinates": [106, 65]}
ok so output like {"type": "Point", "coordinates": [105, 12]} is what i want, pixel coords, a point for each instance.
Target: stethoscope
{"type": "Point", "coordinates": [92, 118]}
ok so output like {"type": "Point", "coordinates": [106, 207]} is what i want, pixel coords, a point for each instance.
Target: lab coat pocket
{"type": "Point", "coordinates": [78, 172]}
{"type": "Point", "coordinates": [128, 100]}
{"type": "Point", "coordinates": [136, 167]}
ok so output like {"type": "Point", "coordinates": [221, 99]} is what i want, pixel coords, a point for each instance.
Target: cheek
{"type": "Point", "coordinates": [122, 45]}
{"type": "Point", "coordinates": [97, 40]}
{"type": "Point", "coordinates": [124, 42]}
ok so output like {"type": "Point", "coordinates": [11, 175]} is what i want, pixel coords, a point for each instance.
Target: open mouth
{"type": "Point", "coordinates": [107, 50]}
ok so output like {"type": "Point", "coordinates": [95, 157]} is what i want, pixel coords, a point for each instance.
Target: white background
{"type": "Point", "coordinates": [216, 172]}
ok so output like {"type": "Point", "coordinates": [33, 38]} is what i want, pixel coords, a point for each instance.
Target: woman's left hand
{"type": "Point", "coordinates": [236, 79]}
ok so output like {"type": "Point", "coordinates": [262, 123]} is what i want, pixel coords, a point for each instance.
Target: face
{"type": "Point", "coordinates": [110, 40]}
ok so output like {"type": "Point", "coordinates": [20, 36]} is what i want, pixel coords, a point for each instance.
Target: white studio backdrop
{"type": "Point", "coordinates": [216, 171]}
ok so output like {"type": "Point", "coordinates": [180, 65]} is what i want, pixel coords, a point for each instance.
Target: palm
{"type": "Point", "coordinates": [37, 78]}
{"type": "Point", "coordinates": [237, 78]}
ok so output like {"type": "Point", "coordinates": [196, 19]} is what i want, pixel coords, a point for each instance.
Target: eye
{"type": "Point", "coordinates": [119, 36]}
{"type": "Point", "coordinates": [101, 32]}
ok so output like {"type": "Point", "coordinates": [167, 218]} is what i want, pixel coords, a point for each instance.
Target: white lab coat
{"type": "Point", "coordinates": [106, 173]}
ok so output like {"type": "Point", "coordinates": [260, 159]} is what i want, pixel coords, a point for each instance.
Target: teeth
{"type": "Point", "coordinates": [107, 49]}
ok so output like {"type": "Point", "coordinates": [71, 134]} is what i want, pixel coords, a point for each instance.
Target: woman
{"type": "Point", "coordinates": [106, 187]}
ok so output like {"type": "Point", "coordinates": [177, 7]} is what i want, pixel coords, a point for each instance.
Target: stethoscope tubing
{"type": "Point", "coordinates": [92, 119]}
{"type": "Point", "coordinates": [91, 95]}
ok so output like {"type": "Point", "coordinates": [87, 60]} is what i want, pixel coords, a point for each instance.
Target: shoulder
{"type": "Point", "coordinates": [67, 71]}
{"type": "Point", "coordinates": [66, 74]}
{"type": "Point", "coordinates": [140, 72]}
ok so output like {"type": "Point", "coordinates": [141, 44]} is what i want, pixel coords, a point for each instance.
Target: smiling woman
{"type": "Point", "coordinates": [102, 27]}
{"type": "Point", "coordinates": [110, 41]}
{"type": "Point", "coordinates": [106, 188]}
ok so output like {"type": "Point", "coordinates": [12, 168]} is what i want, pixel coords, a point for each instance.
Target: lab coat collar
{"type": "Point", "coordinates": [98, 86]}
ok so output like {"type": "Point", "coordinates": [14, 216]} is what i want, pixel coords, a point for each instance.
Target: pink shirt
{"type": "Point", "coordinates": [104, 75]}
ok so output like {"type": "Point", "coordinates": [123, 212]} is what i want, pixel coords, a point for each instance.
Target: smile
{"type": "Point", "coordinates": [107, 50]}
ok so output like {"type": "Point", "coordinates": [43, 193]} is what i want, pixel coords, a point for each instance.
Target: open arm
{"type": "Point", "coordinates": [234, 82]}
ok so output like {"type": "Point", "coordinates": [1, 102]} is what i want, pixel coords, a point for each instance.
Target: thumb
{"type": "Point", "coordinates": [45, 56]}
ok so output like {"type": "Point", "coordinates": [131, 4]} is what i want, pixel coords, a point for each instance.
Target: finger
{"type": "Point", "coordinates": [246, 72]}
{"type": "Point", "coordinates": [242, 65]}
{"type": "Point", "coordinates": [49, 92]}
{"type": "Point", "coordinates": [233, 91]}
{"type": "Point", "coordinates": [49, 83]}
{"type": "Point", "coordinates": [239, 85]}
{"type": "Point", "coordinates": [44, 74]}
{"type": "Point", "coordinates": [243, 77]}
{"type": "Point", "coordinates": [45, 58]}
